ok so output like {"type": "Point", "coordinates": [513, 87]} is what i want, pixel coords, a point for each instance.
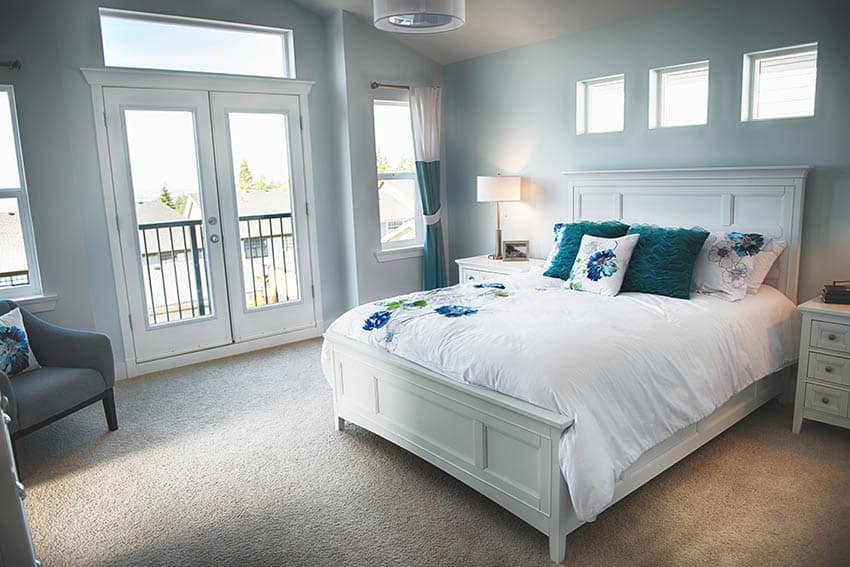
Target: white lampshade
{"type": "Point", "coordinates": [499, 188]}
{"type": "Point", "coordinates": [419, 16]}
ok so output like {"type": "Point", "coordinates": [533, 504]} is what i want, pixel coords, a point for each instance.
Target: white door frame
{"type": "Point", "coordinates": [98, 78]}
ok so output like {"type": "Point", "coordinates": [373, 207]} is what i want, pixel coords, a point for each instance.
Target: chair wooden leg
{"type": "Point", "coordinates": [109, 409]}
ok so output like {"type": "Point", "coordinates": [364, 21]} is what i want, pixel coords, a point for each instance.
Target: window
{"type": "Point", "coordinates": [19, 276]}
{"type": "Point", "coordinates": [398, 194]}
{"type": "Point", "coordinates": [678, 95]}
{"type": "Point", "coordinates": [153, 41]}
{"type": "Point", "coordinates": [255, 247]}
{"type": "Point", "coordinates": [600, 105]}
{"type": "Point", "coordinates": [780, 83]}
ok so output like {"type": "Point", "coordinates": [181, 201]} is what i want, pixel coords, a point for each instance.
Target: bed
{"type": "Point", "coordinates": [480, 388]}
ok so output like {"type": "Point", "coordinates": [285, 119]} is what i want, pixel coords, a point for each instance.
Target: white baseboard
{"type": "Point", "coordinates": [132, 369]}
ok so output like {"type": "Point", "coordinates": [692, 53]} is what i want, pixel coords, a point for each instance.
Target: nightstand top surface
{"type": "Point", "coordinates": [816, 305]}
{"type": "Point", "coordinates": [485, 263]}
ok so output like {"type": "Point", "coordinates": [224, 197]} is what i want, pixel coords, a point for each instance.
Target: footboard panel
{"type": "Point", "coordinates": [507, 455]}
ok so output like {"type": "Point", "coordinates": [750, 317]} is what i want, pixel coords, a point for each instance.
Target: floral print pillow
{"type": "Point", "coordinates": [601, 264]}
{"type": "Point", "coordinates": [730, 262]}
{"type": "Point", "coordinates": [16, 356]}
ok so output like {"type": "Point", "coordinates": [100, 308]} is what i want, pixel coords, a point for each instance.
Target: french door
{"type": "Point", "coordinates": [210, 202]}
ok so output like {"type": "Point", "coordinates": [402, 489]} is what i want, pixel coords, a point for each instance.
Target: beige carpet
{"type": "Point", "coordinates": [236, 463]}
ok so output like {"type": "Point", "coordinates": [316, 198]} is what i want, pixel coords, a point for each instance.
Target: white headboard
{"type": "Point", "coordinates": [768, 200]}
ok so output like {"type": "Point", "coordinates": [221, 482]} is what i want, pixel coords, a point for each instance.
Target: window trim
{"type": "Point", "coordinates": [583, 103]}
{"type": "Point", "coordinates": [410, 243]}
{"type": "Point", "coordinates": [34, 288]}
{"type": "Point", "coordinates": [750, 79]}
{"type": "Point", "coordinates": [656, 93]}
{"type": "Point", "coordinates": [287, 37]}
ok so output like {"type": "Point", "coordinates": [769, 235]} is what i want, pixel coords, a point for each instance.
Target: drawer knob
{"type": "Point", "coordinates": [471, 278]}
{"type": "Point", "coordinates": [831, 337]}
{"type": "Point", "coordinates": [828, 369]}
{"type": "Point", "coordinates": [825, 400]}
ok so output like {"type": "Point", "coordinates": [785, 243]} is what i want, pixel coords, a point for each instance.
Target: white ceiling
{"type": "Point", "coordinates": [496, 25]}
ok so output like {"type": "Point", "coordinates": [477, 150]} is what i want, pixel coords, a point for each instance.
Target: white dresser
{"type": "Point", "coordinates": [823, 378]}
{"type": "Point", "coordinates": [483, 268]}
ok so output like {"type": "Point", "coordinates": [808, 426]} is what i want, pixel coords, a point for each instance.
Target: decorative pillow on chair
{"type": "Point", "coordinates": [568, 237]}
{"type": "Point", "coordinates": [601, 264]}
{"type": "Point", "coordinates": [15, 353]}
{"type": "Point", "coordinates": [663, 260]}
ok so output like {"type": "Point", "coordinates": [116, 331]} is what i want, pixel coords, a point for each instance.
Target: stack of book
{"type": "Point", "coordinates": [838, 292]}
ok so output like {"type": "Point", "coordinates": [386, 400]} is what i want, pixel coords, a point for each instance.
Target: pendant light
{"type": "Point", "coordinates": [419, 16]}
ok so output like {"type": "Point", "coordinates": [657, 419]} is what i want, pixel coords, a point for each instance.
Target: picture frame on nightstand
{"type": "Point", "coordinates": [515, 251]}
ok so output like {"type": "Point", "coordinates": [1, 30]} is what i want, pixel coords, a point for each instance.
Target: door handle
{"type": "Point", "coordinates": [214, 238]}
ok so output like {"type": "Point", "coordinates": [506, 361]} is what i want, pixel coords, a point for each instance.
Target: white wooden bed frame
{"type": "Point", "coordinates": [507, 449]}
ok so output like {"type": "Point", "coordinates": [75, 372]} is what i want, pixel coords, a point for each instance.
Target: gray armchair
{"type": "Point", "coordinates": [77, 370]}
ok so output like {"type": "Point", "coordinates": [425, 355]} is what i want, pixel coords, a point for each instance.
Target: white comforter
{"type": "Point", "coordinates": [631, 370]}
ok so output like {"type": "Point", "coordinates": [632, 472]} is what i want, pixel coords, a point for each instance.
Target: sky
{"type": "Point", "coordinates": [162, 149]}
{"type": "Point", "coordinates": [9, 178]}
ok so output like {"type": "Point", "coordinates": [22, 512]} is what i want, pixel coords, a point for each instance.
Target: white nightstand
{"type": "Point", "coordinates": [823, 377]}
{"type": "Point", "coordinates": [482, 267]}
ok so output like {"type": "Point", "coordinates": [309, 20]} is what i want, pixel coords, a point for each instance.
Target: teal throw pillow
{"type": "Point", "coordinates": [570, 239]}
{"type": "Point", "coordinates": [663, 260]}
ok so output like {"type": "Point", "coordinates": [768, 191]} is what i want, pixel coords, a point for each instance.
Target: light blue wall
{"type": "Point", "coordinates": [55, 39]}
{"type": "Point", "coordinates": [362, 55]}
{"type": "Point", "coordinates": [515, 112]}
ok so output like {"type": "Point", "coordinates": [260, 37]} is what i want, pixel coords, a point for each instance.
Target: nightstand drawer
{"type": "Point", "coordinates": [827, 400]}
{"type": "Point", "coordinates": [477, 275]}
{"type": "Point", "coordinates": [830, 336]}
{"type": "Point", "coordinates": [829, 368]}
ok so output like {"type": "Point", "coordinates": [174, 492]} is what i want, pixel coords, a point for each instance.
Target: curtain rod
{"type": "Point", "coordinates": [377, 85]}
{"type": "Point", "coordinates": [11, 65]}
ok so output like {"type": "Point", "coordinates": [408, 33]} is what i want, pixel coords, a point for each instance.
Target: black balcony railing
{"type": "Point", "coordinates": [174, 265]}
{"type": "Point", "coordinates": [269, 258]}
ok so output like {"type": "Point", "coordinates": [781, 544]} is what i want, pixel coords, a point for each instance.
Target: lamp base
{"type": "Point", "coordinates": [498, 254]}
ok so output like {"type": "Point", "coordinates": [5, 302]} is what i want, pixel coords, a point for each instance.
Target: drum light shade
{"type": "Point", "coordinates": [499, 188]}
{"type": "Point", "coordinates": [419, 16]}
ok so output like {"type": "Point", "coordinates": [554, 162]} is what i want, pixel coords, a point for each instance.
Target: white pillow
{"type": "Point", "coordinates": [16, 355]}
{"type": "Point", "coordinates": [601, 264]}
{"type": "Point", "coordinates": [763, 262]}
{"type": "Point", "coordinates": [732, 263]}
{"type": "Point", "coordinates": [721, 269]}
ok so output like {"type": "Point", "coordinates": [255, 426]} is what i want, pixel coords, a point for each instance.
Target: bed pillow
{"type": "Point", "coordinates": [16, 357]}
{"type": "Point", "coordinates": [731, 264]}
{"type": "Point", "coordinates": [601, 264]}
{"type": "Point", "coordinates": [722, 267]}
{"type": "Point", "coordinates": [556, 244]}
{"type": "Point", "coordinates": [763, 262]}
{"type": "Point", "coordinates": [663, 260]}
{"type": "Point", "coordinates": [569, 241]}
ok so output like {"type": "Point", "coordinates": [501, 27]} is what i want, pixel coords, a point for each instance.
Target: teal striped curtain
{"type": "Point", "coordinates": [425, 112]}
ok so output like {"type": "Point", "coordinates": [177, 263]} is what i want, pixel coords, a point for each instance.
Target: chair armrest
{"type": "Point", "coordinates": [7, 391]}
{"type": "Point", "coordinates": [57, 346]}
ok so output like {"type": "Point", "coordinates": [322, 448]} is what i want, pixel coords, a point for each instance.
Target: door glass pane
{"type": "Point", "coordinates": [14, 270]}
{"type": "Point", "coordinates": [169, 212]}
{"type": "Point", "coordinates": [262, 176]}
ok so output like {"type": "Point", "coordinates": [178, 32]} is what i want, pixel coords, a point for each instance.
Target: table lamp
{"type": "Point", "coordinates": [495, 189]}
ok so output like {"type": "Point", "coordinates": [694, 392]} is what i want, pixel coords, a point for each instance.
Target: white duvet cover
{"type": "Point", "coordinates": [631, 370]}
